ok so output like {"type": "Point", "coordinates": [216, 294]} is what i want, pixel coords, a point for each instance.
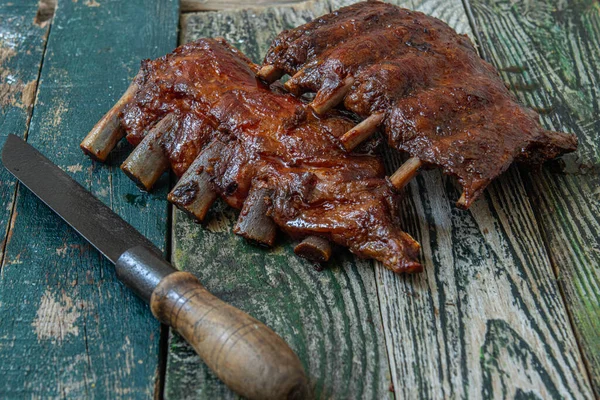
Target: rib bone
{"type": "Point", "coordinates": [324, 102]}
{"type": "Point", "coordinates": [253, 223]}
{"type": "Point", "coordinates": [292, 84]}
{"type": "Point", "coordinates": [406, 172]}
{"type": "Point", "coordinates": [105, 135]}
{"type": "Point", "coordinates": [193, 193]}
{"type": "Point", "coordinates": [259, 137]}
{"type": "Point", "coordinates": [314, 248]}
{"type": "Point", "coordinates": [148, 161]}
{"type": "Point", "coordinates": [362, 131]}
{"type": "Point", "coordinates": [270, 73]}
{"type": "Point", "coordinates": [462, 201]}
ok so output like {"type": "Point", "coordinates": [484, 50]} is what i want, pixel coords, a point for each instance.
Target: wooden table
{"type": "Point", "coordinates": [508, 305]}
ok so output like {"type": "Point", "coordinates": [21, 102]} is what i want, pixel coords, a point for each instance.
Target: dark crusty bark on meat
{"type": "Point", "coordinates": [261, 148]}
{"type": "Point", "coordinates": [441, 102]}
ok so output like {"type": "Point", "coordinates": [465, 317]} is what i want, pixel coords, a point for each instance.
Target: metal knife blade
{"type": "Point", "coordinates": [93, 220]}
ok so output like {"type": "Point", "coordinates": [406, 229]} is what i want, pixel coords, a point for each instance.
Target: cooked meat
{"type": "Point", "coordinates": [260, 148]}
{"type": "Point", "coordinates": [188, 82]}
{"type": "Point", "coordinates": [440, 102]}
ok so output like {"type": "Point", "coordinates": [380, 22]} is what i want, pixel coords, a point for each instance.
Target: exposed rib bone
{"type": "Point", "coordinates": [362, 131]}
{"type": "Point", "coordinates": [314, 248]}
{"type": "Point", "coordinates": [107, 132]}
{"type": "Point", "coordinates": [264, 139]}
{"type": "Point", "coordinates": [462, 201]}
{"type": "Point", "coordinates": [194, 197]}
{"type": "Point", "coordinates": [148, 161]}
{"type": "Point", "coordinates": [253, 223]}
{"type": "Point", "coordinates": [270, 73]}
{"type": "Point", "coordinates": [292, 85]}
{"type": "Point", "coordinates": [406, 172]}
{"type": "Point", "coordinates": [325, 102]}
{"type": "Point", "coordinates": [193, 193]}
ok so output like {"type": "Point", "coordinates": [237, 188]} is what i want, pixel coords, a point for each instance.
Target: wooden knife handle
{"type": "Point", "coordinates": [248, 356]}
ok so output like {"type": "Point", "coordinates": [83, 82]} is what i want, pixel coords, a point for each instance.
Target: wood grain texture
{"type": "Point", "coordinates": [486, 318]}
{"type": "Point", "coordinates": [213, 5]}
{"type": "Point", "coordinates": [67, 327]}
{"type": "Point", "coordinates": [329, 318]}
{"type": "Point", "coordinates": [548, 52]}
{"type": "Point", "coordinates": [22, 43]}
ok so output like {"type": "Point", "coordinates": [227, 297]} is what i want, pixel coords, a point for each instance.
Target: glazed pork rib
{"type": "Point", "coordinates": [202, 112]}
{"type": "Point", "coordinates": [422, 83]}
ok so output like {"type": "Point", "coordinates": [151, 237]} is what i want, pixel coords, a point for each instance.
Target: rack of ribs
{"type": "Point", "coordinates": [422, 83]}
{"type": "Point", "coordinates": [201, 112]}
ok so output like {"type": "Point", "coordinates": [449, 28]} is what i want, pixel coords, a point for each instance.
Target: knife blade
{"type": "Point", "coordinates": [91, 218]}
{"type": "Point", "coordinates": [247, 355]}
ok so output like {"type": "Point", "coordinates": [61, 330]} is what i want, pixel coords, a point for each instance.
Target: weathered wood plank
{"type": "Point", "coordinates": [486, 319]}
{"type": "Point", "coordinates": [22, 43]}
{"type": "Point", "coordinates": [330, 318]}
{"type": "Point", "coordinates": [213, 5]}
{"type": "Point", "coordinates": [549, 54]}
{"type": "Point", "coordinates": [67, 327]}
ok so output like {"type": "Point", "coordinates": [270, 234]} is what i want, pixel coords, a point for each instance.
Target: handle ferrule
{"type": "Point", "coordinates": [141, 269]}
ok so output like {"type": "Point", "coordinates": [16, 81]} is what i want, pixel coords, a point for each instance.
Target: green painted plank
{"type": "Point", "coordinates": [330, 318]}
{"type": "Point", "coordinates": [549, 54]}
{"type": "Point", "coordinates": [22, 43]}
{"type": "Point", "coordinates": [67, 327]}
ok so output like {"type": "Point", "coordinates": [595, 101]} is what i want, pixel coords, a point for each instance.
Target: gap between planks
{"type": "Point", "coordinates": [13, 204]}
{"type": "Point", "coordinates": [77, 381]}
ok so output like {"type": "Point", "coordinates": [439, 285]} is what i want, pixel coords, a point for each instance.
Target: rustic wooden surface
{"type": "Point", "coordinates": [550, 55]}
{"type": "Point", "coordinates": [68, 329]}
{"type": "Point", "coordinates": [210, 5]}
{"type": "Point", "coordinates": [22, 41]}
{"type": "Point", "coordinates": [314, 312]}
{"type": "Point", "coordinates": [485, 319]}
{"type": "Point", "coordinates": [508, 305]}
{"type": "Point", "coordinates": [488, 308]}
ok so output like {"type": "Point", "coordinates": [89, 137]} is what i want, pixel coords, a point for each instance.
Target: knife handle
{"type": "Point", "coordinates": [243, 352]}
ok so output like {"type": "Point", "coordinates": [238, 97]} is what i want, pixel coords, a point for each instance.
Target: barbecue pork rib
{"type": "Point", "coordinates": [423, 83]}
{"type": "Point", "coordinates": [224, 132]}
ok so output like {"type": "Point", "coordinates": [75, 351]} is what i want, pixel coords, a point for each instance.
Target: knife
{"type": "Point", "coordinates": [243, 352]}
